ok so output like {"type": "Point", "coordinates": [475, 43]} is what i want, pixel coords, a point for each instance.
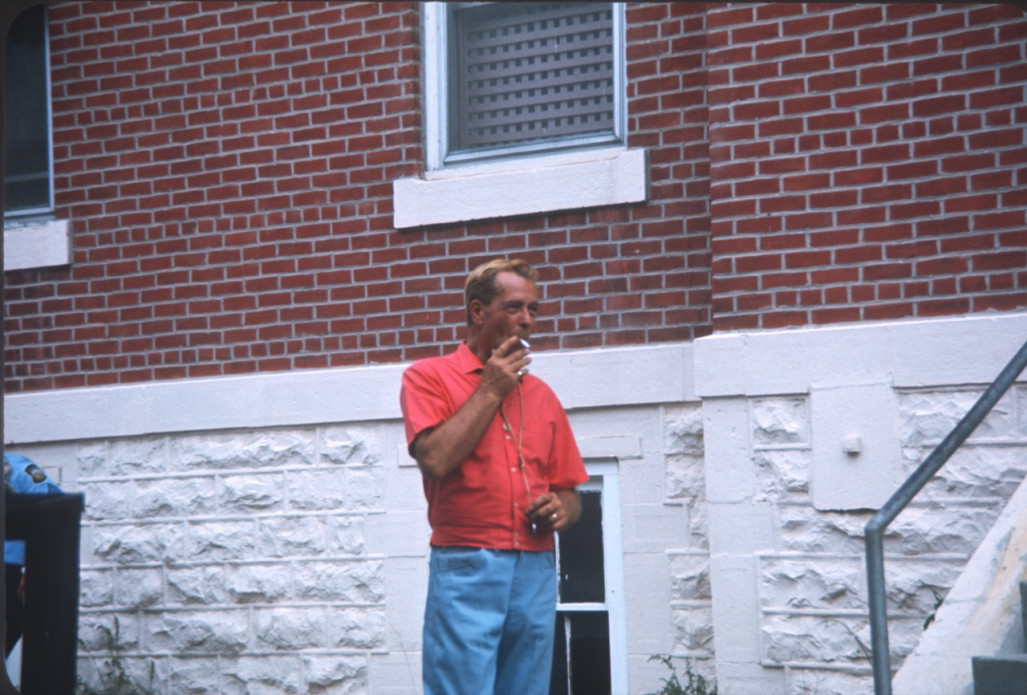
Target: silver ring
{"type": "Point", "coordinates": [554, 517]}
{"type": "Point", "coordinates": [520, 373]}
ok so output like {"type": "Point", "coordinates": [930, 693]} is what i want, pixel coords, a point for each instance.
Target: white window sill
{"type": "Point", "coordinates": [38, 244]}
{"type": "Point", "coordinates": [521, 187]}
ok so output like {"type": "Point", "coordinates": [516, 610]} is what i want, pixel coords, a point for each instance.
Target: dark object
{"type": "Point", "coordinates": [49, 525]}
{"type": "Point", "coordinates": [15, 607]}
{"type": "Point", "coordinates": [1003, 674]}
{"type": "Point", "coordinates": [1006, 675]}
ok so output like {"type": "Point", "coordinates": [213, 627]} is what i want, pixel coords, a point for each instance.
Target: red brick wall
{"type": "Point", "coordinates": [227, 170]}
{"type": "Point", "coordinates": [869, 162]}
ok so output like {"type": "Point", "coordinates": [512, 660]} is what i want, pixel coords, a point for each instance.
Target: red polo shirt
{"type": "Point", "coordinates": [483, 502]}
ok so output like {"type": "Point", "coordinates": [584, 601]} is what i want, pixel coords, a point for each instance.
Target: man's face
{"type": "Point", "coordinates": [511, 312]}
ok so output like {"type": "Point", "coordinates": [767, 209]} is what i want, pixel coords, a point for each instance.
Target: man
{"type": "Point", "coordinates": [500, 468]}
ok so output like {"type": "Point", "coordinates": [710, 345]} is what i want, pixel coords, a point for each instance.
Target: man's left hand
{"type": "Point", "coordinates": [555, 511]}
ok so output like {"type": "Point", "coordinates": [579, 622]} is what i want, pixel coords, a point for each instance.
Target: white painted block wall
{"type": "Point", "coordinates": [267, 534]}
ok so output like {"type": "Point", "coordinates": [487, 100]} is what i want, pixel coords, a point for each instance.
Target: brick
{"type": "Point", "coordinates": [943, 307]}
{"type": "Point", "coordinates": [969, 162]}
{"type": "Point", "coordinates": [807, 259]}
{"type": "Point", "coordinates": [253, 136]}
{"type": "Point", "coordinates": [942, 186]}
{"type": "Point", "coordinates": [998, 261]}
{"type": "Point", "coordinates": [948, 265]}
{"type": "Point", "coordinates": [887, 271]}
{"type": "Point", "coordinates": [1000, 302]}
{"type": "Point", "coordinates": [916, 209]}
{"type": "Point", "coordinates": [970, 203]}
{"type": "Point", "coordinates": [888, 311]}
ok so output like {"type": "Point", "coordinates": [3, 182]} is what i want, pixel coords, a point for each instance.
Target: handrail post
{"type": "Point", "coordinates": [880, 651]}
{"type": "Point", "coordinates": [874, 530]}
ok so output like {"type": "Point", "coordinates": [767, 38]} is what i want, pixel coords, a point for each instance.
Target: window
{"type": "Point", "coordinates": [32, 237]}
{"type": "Point", "coordinates": [524, 77]}
{"type": "Point", "coordinates": [525, 112]}
{"type": "Point", "coordinates": [590, 643]}
{"type": "Point", "coordinates": [27, 171]}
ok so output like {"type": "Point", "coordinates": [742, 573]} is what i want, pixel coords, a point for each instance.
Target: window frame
{"type": "Point", "coordinates": [604, 476]}
{"type": "Point", "coordinates": [436, 77]}
{"type": "Point", "coordinates": [33, 237]}
{"type": "Point", "coordinates": [518, 184]}
{"type": "Point", "coordinates": [28, 214]}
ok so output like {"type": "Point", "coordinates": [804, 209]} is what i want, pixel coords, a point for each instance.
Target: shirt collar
{"type": "Point", "coordinates": [467, 360]}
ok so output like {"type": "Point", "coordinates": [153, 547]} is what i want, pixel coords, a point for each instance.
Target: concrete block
{"type": "Point", "coordinates": [250, 493]}
{"type": "Point", "coordinates": [394, 673]}
{"type": "Point", "coordinates": [780, 422]}
{"type": "Point", "coordinates": [399, 533]}
{"type": "Point", "coordinates": [165, 497]}
{"type": "Point", "coordinates": [139, 588]}
{"type": "Point", "coordinates": [216, 541]}
{"type": "Point", "coordinates": [736, 614]}
{"type": "Point", "coordinates": [356, 628]}
{"type": "Point", "coordinates": [345, 535]}
{"type": "Point", "coordinates": [96, 588]}
{"type": "Point", "coordinates": [108, 632]}
{"type": "Point", "coordinates": [192, 674]}
{"type": "Point", "coordinates": [741, 678]}
{"type": "Point", "coordinates": [812, 582]}
{"type": "Point", "coordinates": [741, 529]}
{"type": "Point", "coordinates": [647, 597]}
{"type": "Point", "coordinates": [130, 545]}
{"type": "Point", "coordinates": [856, 455]}
{"type": "Point", "coordinates": [289, 628]}
{"type": "Point", "coordinates": [331, 674]}
{"type": "Point", "coordinates": [782, 474]}
{"type": "Point", "coordinates": [345, 581]}
{"type": "Point", "coordinates": [243, 449]}
{"type": "Point", "coordinates": [690, 576]}
{"type": "Point", "coordinates": [644, 480]}
{"type": "Point", "coordinates": [223, 632]}
{"type": "Point", "coordinates": [138, 455]}
{"type": "Point", "coordinates": [648, 528]}
{"type": "Point", "coordinates": [290, 536]}
{"type": "Point", "coordinates": [726, 435]}
{"type": "Point", "coordinates": [259, 583]}
{"type": "Point", "coordinates": [927, 417]}
{"type": "Point", "coordinates": [270, 673]}
{"type": "Point", "coordinates": [350, 445]}
{"type": "Point", "coordinates": [203, 585]}
{"type": "Point", "coordinates": [109, 500]}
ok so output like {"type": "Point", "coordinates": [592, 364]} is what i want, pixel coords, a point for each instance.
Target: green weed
{"type": "Point", "coordinates": [695, 685]}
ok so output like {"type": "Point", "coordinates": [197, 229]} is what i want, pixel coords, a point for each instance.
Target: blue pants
{"type": "Point", "coordinates": [488, 622]}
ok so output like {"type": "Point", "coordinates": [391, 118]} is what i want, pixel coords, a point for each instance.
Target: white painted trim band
{"type": "Point", "coordinates": [535, 186]}
{"type": "Point", "coordinates": [43, 244]}
{"type": "Point", "coordinates": [595, 378]}
{"type": "Point", "coordinates": [908, 354]}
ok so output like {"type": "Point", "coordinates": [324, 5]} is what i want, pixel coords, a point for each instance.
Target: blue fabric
{"type": "Point", "coordinates": [24, 477]}
{"type": "Point", "coordinates": [488, 622]}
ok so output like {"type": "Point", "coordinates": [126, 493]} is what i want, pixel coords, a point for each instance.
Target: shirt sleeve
{"type": "Point", "coordinates": [423, 399]}
{"type": "Point", "coordinates": [566, 467]}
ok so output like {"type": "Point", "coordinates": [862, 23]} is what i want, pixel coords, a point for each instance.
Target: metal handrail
{"type": "Point", "coordinates": [874, 530]}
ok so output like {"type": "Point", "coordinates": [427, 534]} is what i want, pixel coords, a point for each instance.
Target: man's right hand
{"type": "Point", "coordinates": [506, 367]}
{"type": "Point", "coordinates": [441, 450]}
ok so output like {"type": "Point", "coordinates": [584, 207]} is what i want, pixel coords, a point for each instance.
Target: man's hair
{"type": "Point", "coordinates": [481, 283]}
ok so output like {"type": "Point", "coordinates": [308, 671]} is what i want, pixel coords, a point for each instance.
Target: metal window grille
{"type": "Point", "coordinates": [530, 72]}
